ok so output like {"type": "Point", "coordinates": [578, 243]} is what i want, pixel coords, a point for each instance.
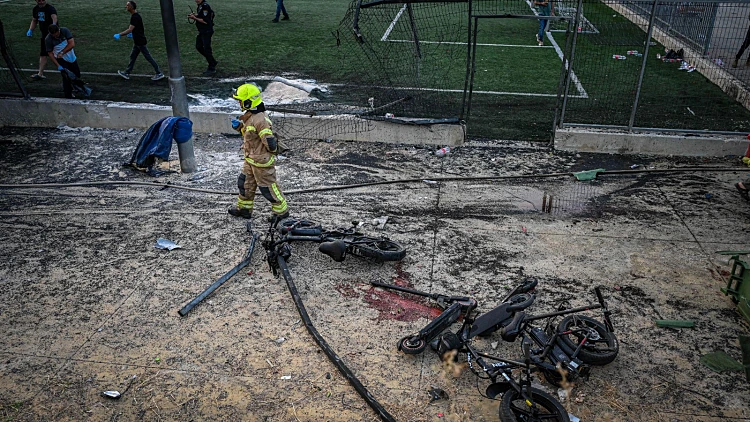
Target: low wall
{"type": "Point", "coordinates": [52, 112]}
{"type": "Point", "coordinates": [609, 141]}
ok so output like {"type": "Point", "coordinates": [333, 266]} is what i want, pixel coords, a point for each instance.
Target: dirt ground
{"type": "Point", "coordinates": [89, 302]}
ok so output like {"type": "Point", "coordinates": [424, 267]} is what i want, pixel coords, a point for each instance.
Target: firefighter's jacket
{"type": "Point", "coordinates": [255, 129]}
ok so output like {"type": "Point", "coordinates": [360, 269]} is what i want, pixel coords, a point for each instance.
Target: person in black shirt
{"type": "Point", "coordinates": [204, 22]}
{"type": "Point", "coordinates": [43, 15]}
{"type": "Point", "coordinates": [139, 43]}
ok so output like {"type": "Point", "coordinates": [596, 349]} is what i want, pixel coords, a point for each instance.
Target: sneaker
{"type": "Point", "coordinates": [537, 38]}
{"type": "Point", "coordinates": [37, 77]}
{"type": "Point", "coordinates": [734, 62]}
{"type": "Point", "coordinates": [275, 20]}
{"type": "Point", "coordinates": [541, 42]}
{"type": "Point", "coordinates": [157, 77]}
{"type": "Point", "coordinates": [285, 18]}
{"type": "Point", "coordinates": [125, 75]}
{"type": "Point", "coordinates": [240, 212]}
{"type": "Point", "coordinates": [683, 66]}
{"type": "Point", "coordinates": [209, 72]}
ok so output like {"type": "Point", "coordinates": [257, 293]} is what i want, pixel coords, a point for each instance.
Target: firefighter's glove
{"type": "Point", "coordinates": [29, 33]}
{"type": "Point", "coordinates": [236, 124]}
{"type": "Point", "coordinates": [273, 145]}
{"type": "Point", "coordinates": [117, 36]}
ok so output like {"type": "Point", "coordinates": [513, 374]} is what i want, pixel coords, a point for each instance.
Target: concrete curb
{"type": "Point", "coordinates": [617, 142]}
{"type": "Point", "coordinates": [53, 112]}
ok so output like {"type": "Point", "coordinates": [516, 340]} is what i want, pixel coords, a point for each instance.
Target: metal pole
{"type": "Point", "coordinates": [473, 66]}
{"type": "Point", "coordinates": [468, 65]}
{"type": "Point", "coordinates": [570, 61]}
{"type": "Point", "coordinates": [561, 82]}
{"type": "Point", "coordinates": [643, 67]}
{"type": "Point", "coordinates": [177, 83]}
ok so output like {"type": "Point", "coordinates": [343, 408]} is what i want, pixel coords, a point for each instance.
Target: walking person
{"type": "Point", "coordinates": [745, 44]}
{"type": "Point", "coordinates": [260, 147]}
{"type": "Point", "coordinates": [544, 9]}
{"type": "Point", "coordinates": [43, 15]}
{"type": "Point", "coordinates": [280, 9]}
{"type": "Point", "coordinates": [139, 43]}
{"type": "Point", "coordinates": [204, 23]}
{"type": "Point", "coordinates": [59, 44]}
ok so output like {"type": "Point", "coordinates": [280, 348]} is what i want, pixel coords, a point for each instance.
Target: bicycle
{"type": "Point", "coordinates": [336, 243]}
{"type": "Point", "coordinates": [574, 345]}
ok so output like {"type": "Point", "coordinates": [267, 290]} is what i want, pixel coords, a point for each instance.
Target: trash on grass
{"type": "Point", "coordinates": [280, 340]}
{"type": "Point", "coordinates": [286, 377]}
{"type": "Point", "coordinates": [162, 243]}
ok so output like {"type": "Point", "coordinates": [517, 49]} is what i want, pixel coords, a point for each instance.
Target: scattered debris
{"type": "Point", "coordinates": [437, 394]}
{"type": "Point", "coordinates": [380, 222]}
{"type": "Point", "coordinates": [430, 182]}
{"type": "Point", "coordinates": [442, 152]}
{"type": "Point", "coordinates": [720, 362]}
{"type": "Point", "coordinates": [587, 174]}
{"type": "Point", "coordinates": [286, 377]}
{"type": "Point", "coordinates": [162, 243]}
{"type": "Point", "coordinates": [280, 340]}
{"type": "Point", "coordinates": [114, 394]}
{"type": "Point", "coordinates": [635, 166]}
{"type": "Point", "coordinates": [691, 111]}
{"type": "Point", "coordinates": [674, 323]}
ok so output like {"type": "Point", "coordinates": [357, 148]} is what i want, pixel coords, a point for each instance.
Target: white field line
{"type": "Point", "coordinates": [479, 44]}
{"type": "Point", "coordinates": [581, 92]}
{"type": "Point", "coordinates": [522, 94]}
{"type": "Point", "coordinates": [393, 23]}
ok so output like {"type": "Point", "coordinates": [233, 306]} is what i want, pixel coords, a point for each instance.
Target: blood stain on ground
{"type": "Point", "coordinates": [394, 306]}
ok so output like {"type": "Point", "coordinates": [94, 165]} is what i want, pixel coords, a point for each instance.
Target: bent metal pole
{"type": "Point", "coordinates": [177, 83]}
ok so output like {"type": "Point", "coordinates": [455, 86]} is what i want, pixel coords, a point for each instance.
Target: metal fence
{"type": "Point", "coordinates": [665, 65]}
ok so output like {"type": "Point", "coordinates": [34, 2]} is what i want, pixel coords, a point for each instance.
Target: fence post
{"type": "Point", "coordinates": [569, 64]}
{"type": "Point", "coordinates": [643, 66]}
{"type": "Point", "coordinates": [468, 65]}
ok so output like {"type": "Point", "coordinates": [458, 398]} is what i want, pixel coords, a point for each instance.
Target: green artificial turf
{"type": "Point", "coordinates": [317, 43]}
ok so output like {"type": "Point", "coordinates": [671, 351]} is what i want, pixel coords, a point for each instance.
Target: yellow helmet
{"type": "Point", "coordinates": [249, 96]}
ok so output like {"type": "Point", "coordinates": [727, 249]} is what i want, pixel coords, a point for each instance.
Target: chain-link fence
{"type": "Point", "coordinates": [664, 65]}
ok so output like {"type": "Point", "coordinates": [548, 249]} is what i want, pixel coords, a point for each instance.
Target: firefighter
{"type": "Point", "coordinates": [260, 147]}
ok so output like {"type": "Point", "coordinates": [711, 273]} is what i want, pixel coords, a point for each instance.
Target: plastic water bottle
{"type": "Point", "coordinates": [442, 152]}
{"type": "Point", "coordinates": [618, 57]}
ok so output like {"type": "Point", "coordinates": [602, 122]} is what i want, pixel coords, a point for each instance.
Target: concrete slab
{"type": "Point", "coordinates": [615, 142]}
{"type": "Point", "coordinates": [54, 112]}
{"type": "Point", "coordinates": [648, 239]}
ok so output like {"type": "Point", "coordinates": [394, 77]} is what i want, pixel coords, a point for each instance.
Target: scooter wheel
{"type": "Point", "coordinates": [411, 346]}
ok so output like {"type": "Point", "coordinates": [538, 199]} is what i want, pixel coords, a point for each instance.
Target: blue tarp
{"type": "Point", "coordinates": [157, 141]}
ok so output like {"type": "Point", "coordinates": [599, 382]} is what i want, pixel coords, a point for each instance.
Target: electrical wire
{"type": "Point", "coordinates": [361, 185]}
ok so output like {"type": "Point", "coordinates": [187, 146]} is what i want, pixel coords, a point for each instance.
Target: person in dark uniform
{"type": "Point", "coordinates": [43, 15]}
{"type": "Point", "coordinates": [204, 22]}
{"type": "Point", "coordinates": [138, 33]}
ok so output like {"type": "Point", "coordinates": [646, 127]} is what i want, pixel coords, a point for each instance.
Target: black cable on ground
{"type": "Point", "coordinates": [332, 356]}
{"type": "Point", "coordinates": [383, 182]}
